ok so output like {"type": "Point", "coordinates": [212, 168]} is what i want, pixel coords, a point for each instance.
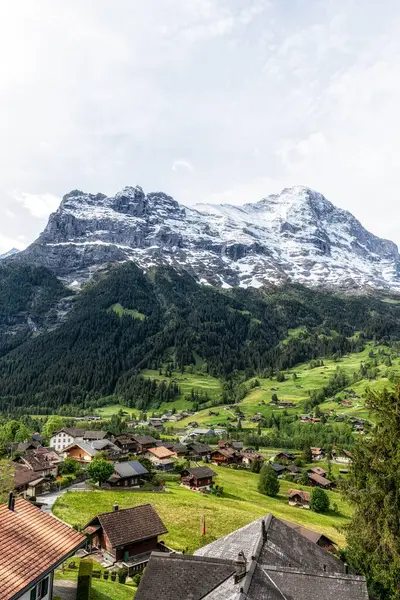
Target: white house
{"type": "Point", "coordinates": [33, 544]}
{"type": "Point", "coordinates": [71, 435]}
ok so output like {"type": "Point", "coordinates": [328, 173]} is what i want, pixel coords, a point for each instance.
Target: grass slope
{"type": "Point", "coordinates": [121, 311]}
{"type": "Point", "coordinates": [182, 509]}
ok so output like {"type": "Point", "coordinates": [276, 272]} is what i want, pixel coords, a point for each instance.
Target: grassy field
{"type": "Point", "coordinates": [121, 312]}
{"type": "Point", "coordinates": [182, 509]}
{"type": "Point", "coordinates": [101, 589]}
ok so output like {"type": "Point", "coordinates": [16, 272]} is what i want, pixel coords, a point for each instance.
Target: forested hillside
{"type": "Point", "coordinates": [125, 321]}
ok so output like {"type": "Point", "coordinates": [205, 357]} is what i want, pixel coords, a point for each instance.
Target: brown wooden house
{"type": "Point", "coordinates": [319, 481]}
{"type": "Point", "coordinates": [198, 478]}
{"type": "Point", "coordinates": [225, 456]}
{"type": "Point", "coordinates": [299, 498]}
{"type": "Point", "coordinates": [126, 443]}
{"type": "Point", "coordinates": [127, 536]}
{"type": "Point", "coordinates": [285, 457]}
{"type": "Point", "coordinates": [144, 442]}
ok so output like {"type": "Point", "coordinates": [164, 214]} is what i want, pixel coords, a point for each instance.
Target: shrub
{"type": "Point", "coordinates": [319, 501]}
{"type": "Point", "coordinates": [122, 575]}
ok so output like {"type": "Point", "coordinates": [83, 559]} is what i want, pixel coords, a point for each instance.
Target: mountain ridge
{"type": "Point", "coordinates": [295, 236]}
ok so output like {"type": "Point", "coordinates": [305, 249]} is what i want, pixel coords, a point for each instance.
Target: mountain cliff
{"type": "Point", "coordinates": [295, 236]}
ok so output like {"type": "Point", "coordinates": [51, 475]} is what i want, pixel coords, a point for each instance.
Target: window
{"type": "Point", "coordinates": [40, 590]}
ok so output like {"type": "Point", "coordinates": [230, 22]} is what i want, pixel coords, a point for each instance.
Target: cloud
{"type": "Point", "coordinates": [182, 165]}
{"type": "Point", "coordinates": [39, 205]}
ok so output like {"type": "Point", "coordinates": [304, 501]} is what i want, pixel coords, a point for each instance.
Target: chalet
{"type": "Point", "coordinates": [238, 446]}
{"type": "Point", "coordinates": [127, 474]}
{"type": "Point", "coordinates": [28, 483]}
{"type": "Point", "coordinates": [91, 436]}
{"type": "Point", "coordinates": [279, 469]}
{"type": "Point", "coordinates": [299, 498]}
{"type": "Point", "coordinates": [164, 444]}
{"type": "Point", "coordinates": [201, 432]}
{"type": "Point", "coordinates": [293, 470]}
{"type": "Point", "coordinates": [41, 461]}
{"type": "Point", "coordinates": [319, 481]}
{"type": "Point", "coordinates": [144, 442]}
{"type": "Point", "coordinates": [315, 537]}
{"type": "Point", "coordinates": [342, 456]}
{"type": "Point", "coordinates": [198, 478]}
{"type": "Point", "coordinates": [80, 451]}
{"type": "Point", "coordinates": [199, 451]}
{"type": "Point", "coordinates": [162, 458]}
{"type": "Point", "coordinates": [24, 447]}
{"type": "Point", "coordinates": [267, 559]}
{"type": "Point", "coordinates": [156, 424]}
{"type": "Point", "coordinates": [318, 453]}
{"type": "Point", "coordinates": [125, 443]}
{"type": "Point", "coordinates": [225, 456]}
{"type": "Point", "coordinates": [317, 471]}
{"type": "Point", "coordinates": [127, 536]}
{"type": "Point", "coordinates": [285, 457]}
{"type": "Point", "coordinates": [33, 545]}
{"type": "Point", "coordinates": [248, 457]}
{"type": "Point", "coordinates": [180, 450]}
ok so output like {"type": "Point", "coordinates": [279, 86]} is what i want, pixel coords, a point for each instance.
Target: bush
{"type": "Point", "coordinates": [136, 579]}
{"type": "Point", "coordinates": [268, 482]}
{"type": "Point", "coordinates": [319, 501]}
{"type": "Point", "coordinates": [122, 575]}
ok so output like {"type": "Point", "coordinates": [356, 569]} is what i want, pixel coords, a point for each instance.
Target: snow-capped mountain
{"type": "Point", "coordinates": [11, 252]}
{"type": "Point", "coordinates": [297, 235]}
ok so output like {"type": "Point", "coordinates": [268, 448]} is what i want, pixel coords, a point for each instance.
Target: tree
{"type": "Point", "coordinates": [268, 482]}
{"type": "Point", "coordinates": [274, 398]}
{"type": "Point", "coordinates": [304, 477]}
{"type": "Point", "coordinates": [256, 465]}
{"type": "Point", "coordinates": [307, 454]}
{"type": "Point", "coordinates": [99, 470]}
{"type": "Point", "coordinates": [319, 500]}
{"type": "Point", "coordinates": [53, 423]}
{"type": "Point", "coordinates": [69, 466]}
{"type": "Point", "coordinates": [373, 489]}
{"type": "Point", "coordinates": [7, 471]}
{"type": "Point", "coordinates": [23, 434]}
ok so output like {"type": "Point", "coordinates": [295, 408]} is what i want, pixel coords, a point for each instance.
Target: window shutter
{"type": "Point", "coordinates": [33, 593]}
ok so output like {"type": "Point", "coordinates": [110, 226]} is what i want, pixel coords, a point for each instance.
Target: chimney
{"type": "Point", "coordinates": [263, 530]}
{"type": "Point", "coordinates": [346, 568]}
{"type": "Point", "coordinates": [11, 501]}
{"type": "Point", "coordinates": [240, 566]}
{"type": "Point", "coordinates": [115, 507]}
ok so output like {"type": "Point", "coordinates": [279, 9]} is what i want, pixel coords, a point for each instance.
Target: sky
{"type": "Point", "coordinates": [207, 100]}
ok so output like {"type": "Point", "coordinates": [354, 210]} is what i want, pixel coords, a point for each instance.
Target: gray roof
{"type": "Point", "coordinates": [102, 444]}
{"type": "Point", "coordinates": [85, 446]}
{"type": "Point", "coordinates": [130, 468]}
{"type": "Point", "coordinates": [200, 471]}
{"type": "Point", "coordinates": [176, 576]}
{"type": "Point", "coordinates": [270, 547]}
{"type": "Point", "coordinates": [95, 435]}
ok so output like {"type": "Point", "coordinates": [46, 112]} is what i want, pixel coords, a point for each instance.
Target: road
{"type": "Point", "coordinates": [48, 500]}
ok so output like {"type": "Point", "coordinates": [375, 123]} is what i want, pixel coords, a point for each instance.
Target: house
{"type": "Point", "coordinates": [314, 536]}
{"type": "Point", "coordinates": [69, 435]}
{"type": "Point", "coordinates": [317, 471]}
{"type": "Point", "coordinates": [41, 461]}
{"type": "Point", "coordinates": [285, 457]}
{"type": "Point", "coordinates": [318, 453]}
{"type": "Point", "coordinates": [164, 444]}
{"type": "Point", "coordinates": [319, 481]}
{"type": "Point", "coordinates": [198, 478]}
{"type": "Point", "coordinates": [161, 457]}
{"type": "Point", "coordinates": [293, 470]}
{"type": "Point", "coordinates": [144, 442]}
{"type": "Point", "coordinates": [267, 559]}
{"type": "Point", "coordinates": [343, 457]}
{"type": "Point", "coordinates": [249, 456]}
{"type": "Point", "coordinates": [299, 498]}
{"type": "Point", "coordinates": [33, 544]}
{"type": "Point", "coordinates": [23, 447]}
{"type": "Point", "coordinates": [127, 474]}
{"type": "Point", "coordinates": [156, 424]}
{"type": "Point", "coordinates": [279, 469]}
{"type": "Point", "coordinates": [226, 456]}
{"type": "Point", "coordinates": [201, 432]}
{"type": "Point", "coordinates": [199, 451]}
{"type": "Point", "coordinates": [125, 443]}
{"type": "Point", "coordinates": [81, 451]}
{"type": "Point", "coordinates": [127, 536]}
{"type": "Point", "coordinates": [28, 483]}
{"type": "Point", "coordinates": [180, 450]}
{"type": "Point", "coordinates": [238, 446]}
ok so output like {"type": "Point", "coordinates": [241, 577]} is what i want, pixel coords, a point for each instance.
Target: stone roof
{"type": "Point", "coordinates": [144, 439]}
{"type": "Point", "coordinates": [281, 564]}
{"type": "Point", "coordinates": [31, 543]}
{"type": "Point", "coordinates": [130, 525]}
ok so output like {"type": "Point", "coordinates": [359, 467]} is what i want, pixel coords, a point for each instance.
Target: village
{"type": "Point", "coordinates": [125, 542]}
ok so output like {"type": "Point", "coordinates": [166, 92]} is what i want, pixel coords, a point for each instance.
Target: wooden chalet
{"type": "Point", "coordinates": [126, 443]}
{"type": "Point", "coordinates": [199, 451]}
{"type": "Point", "coordinates": [317, 471]}
{"type": "Point", "coordinates": [279, 469]}
{"type": "Point", "coordinates": [248, 457]}
{"type": "Point", "coordinates": [127, 474]}
{"type": "Point", "coordinates": [127, 536]}
{"type": "Point", "coordinates": [299, 498]}
{"type": "Point", "coordinates": [285, 457]}
{"type": "Point", "coordinates": [42, 461]}
{"type": "Point", "coordinates": [226, 456]}
{"type": "Point", "coordinates": [198, 478]}
{"type": "Point", "coordinates": [144, 442]}
{"type": "Point", "coordinates": [318, 453]}
{"type": "Point", "coordinates": [161, 457]}
{"type": "Point", "coordinates": [238, 446]}
{"type": "Point", "coordinates": [319, 481]}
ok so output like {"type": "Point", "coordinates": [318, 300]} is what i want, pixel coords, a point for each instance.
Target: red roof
{"type": "Point", "coordinates": [304, 495]}
{"type": "Point", "coordinates": [161, 452]}
{"type": "Point", "coordinates": [31, 543]}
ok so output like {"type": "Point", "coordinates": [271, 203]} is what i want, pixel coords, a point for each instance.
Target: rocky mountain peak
{"type": "Point", "coordinates": [297, 235]}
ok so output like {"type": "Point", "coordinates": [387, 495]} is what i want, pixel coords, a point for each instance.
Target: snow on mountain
{"type": "Point", "coordinates": [297, 235]}
{"type": "Point", "coordinates": [11, 252]}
